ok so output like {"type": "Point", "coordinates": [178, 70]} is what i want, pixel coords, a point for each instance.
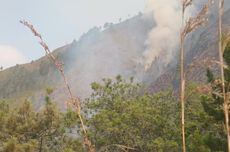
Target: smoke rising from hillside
{"type": "Point", "coordinates": [120, 49]}
{"type": "Point", "coordinates": [163, 39]}
{"type": "Point", "coordinates": [106, 54]}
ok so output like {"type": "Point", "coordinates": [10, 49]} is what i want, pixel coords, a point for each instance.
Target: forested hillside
{"type": "Point", "coordinates": [140, 85]}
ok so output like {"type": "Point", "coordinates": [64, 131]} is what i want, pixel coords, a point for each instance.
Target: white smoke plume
{"type": "Point", "coordinates": [163, 39]}
{"type": "Point", "coordinates": [105, 54]}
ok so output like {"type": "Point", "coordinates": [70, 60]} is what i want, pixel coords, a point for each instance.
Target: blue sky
{"type": "Point", "coordinates": [59, 21]}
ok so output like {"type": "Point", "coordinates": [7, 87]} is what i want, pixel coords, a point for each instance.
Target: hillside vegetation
{"type": "Point", "coordinates": [96, 94]}
{"type": "Point", "coordinates": [120, 116]}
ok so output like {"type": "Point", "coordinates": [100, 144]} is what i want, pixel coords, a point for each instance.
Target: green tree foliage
{"type": "Point", "coordinates": [123, 115]}
{"type": "Point", "coordinates": [213, 105]}
{"type": "Point", "coordinates": [198, 123]}
{"type": "Point", "coordinates": [227, 61]}
{"type": "Point", "coordinates": [23, 129]}
{"type": "Point", "coordinates": [120, 116]}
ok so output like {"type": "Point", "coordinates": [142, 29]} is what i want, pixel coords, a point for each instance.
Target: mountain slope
{"type": "Point", "coordinates": [97, 54]}
{"type": "Point", "coordinates": [117, 49]}
{"type": "Point", "coordinates": [203, 48]}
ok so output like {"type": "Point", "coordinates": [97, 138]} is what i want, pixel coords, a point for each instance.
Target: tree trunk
{"type": "Point", "coordinates": [182, 85]}
{"type": "Point", "coordinates": [182, 94]}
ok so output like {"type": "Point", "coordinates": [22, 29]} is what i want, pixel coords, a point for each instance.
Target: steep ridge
{"type": "Point", "coordinates": [102, 53]}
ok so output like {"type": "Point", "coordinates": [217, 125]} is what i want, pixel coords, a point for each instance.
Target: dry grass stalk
{"type": "Point", "coordinates": [186, 3]}
{"type": "Point", "coordinates": [192, 24]}
{"type": "Point", "coordinates": [121, 147]}
{"type": "Point", "coordinates": [221, 49]}
{"type": "Point", "coordinates": [60, 67]}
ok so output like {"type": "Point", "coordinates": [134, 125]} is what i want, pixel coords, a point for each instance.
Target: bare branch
{"type": "Point", "coordinates": [122, 147]}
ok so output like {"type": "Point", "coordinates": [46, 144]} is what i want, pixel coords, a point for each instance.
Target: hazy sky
{"type": "Point", "coordinates": [59, 21]}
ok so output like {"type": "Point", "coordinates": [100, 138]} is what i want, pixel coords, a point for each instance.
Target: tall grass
{"type": "Point", "coordinates": [192, 24]}
{"type": "Point", "coordinates": [74, 101]}
{"type": "Point", "coordinates": [223, 41]}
